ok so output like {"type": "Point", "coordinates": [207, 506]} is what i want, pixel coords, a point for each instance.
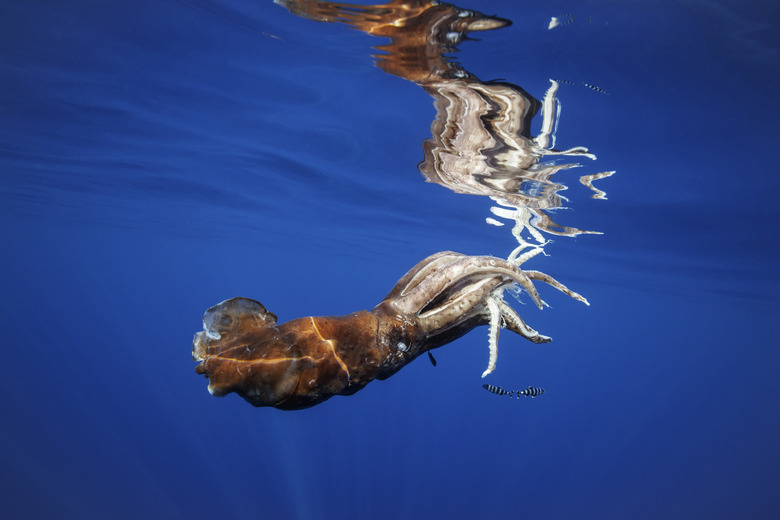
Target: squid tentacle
{"type": "Point", "coordinates": [451, 274]}
{"type": "Point", "coordinates": [516, 324]}
{"type": "Point", "coordinates": [421, 271]}
{"type": "Point", "coordinates": [549, 280]}
{"type": "Point", "coordinates": [495, 327]}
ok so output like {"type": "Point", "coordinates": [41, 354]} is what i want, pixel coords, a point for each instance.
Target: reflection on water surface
{"type": "Point", "coordinates": [481, 143]}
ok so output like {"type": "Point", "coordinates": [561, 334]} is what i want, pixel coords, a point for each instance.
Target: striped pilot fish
{"type": "Point", "coordinates": [531, 391]}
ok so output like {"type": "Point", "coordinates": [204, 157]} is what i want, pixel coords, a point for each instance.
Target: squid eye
{"type": "Point", "coordinates": [402, 346]}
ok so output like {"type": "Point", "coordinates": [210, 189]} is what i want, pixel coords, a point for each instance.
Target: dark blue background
{"type": "Point", "coordinates": [159, 157]}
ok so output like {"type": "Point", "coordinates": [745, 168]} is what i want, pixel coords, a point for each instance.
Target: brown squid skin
{"type": "Point", "coordinates": [302, 362]}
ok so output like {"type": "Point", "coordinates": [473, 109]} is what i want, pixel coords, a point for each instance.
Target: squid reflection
{"type": "Point", "coordinates": [306, 361]}
{"type": "Point", "coordinates": [481, 140]}
{"type": "Point", "coordinates": [481, 144]}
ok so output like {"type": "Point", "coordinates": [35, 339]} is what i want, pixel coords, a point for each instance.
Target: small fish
{"type": "Point", "coordinates": [433, 360]}
{"type": "Point", "coordinates": [565, 81]}
{"type": "Point", "coordinates": [531, 391]}
{"type": "Point", "coordinates": [594, 87]}
{"type": "Point", "coordinates": [582, 84]}
{"type": "Point", "coordinates": [497, 390]}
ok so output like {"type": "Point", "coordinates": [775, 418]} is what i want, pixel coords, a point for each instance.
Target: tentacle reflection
{"type": "Point", "coordinates": [306, 361]}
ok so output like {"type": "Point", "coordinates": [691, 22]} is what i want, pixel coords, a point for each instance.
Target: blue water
{"type": "Point", "coordinates": [159, 157]}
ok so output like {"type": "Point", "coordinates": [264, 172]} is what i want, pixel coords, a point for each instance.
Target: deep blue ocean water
{"type": "Point", "coordinates": [157, 157]}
